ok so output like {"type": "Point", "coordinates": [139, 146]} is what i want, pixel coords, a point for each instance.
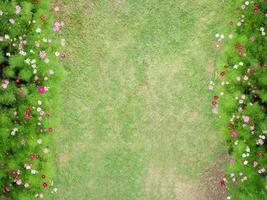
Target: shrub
{"type": "Point", "coordinates": [30, 74]}
{"type": "Point", "coordinates": [240, 100]}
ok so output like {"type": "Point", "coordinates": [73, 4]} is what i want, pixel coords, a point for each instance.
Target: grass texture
{"type": "Point", "coordinates": [136, 119]}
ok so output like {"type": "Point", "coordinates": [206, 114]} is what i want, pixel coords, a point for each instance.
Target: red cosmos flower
{"type": "Point", "coordinates": [222, 183]}
{"type": "Point", "coordinates": [62, 56]}
{"type": "Point", "coordinates": [42, 17]}
{"type": "Point", "coordinates": [216, 97]}
{"type": "Point", "coordinates": [256, 11]}
{"type": "Point", "coordinates": [6, 190]}
{"type": "Point", "coordinates": [231, 23]}
{"type": "Point", "coordinates": [213, 103]}
{"type": "Point", "coordinates": [47, 115]}
{"type": "Point", "coordinates": [14, 173]}
{"type": "Point", "coordinates": [32, 156]}
{"type": "Point", "coordinates": [45, 184]}
{"type": "Point", "coordinates": [17, 81]}
{"type": "Point", "coordinates": [222, 73]}
{"type": "Point", "coordinates": [239, 46]}
{"type": "Point", "coordinates": [28, 110]}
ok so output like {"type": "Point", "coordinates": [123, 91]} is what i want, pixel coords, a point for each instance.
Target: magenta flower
{"type": "Point", "coordinates": [41, 90]}
{"type": "Point", "coordinates": [231, 161]}
{"type": "Point", "coordinates": [27, 116]}
{"type": "Point", "coordinates": [234, 134]}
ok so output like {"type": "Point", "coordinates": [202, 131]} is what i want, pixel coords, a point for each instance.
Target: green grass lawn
{"type": "Point", "coordinates": [136, 111]}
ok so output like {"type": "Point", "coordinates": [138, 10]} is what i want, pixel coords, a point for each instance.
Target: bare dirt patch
{"type": "Point", "coordinates": [162, 184]}
{"type": "Point", "coordinates": [207, 188]}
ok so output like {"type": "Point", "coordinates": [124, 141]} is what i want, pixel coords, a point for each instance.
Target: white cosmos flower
{"type": "Point", "coordinates": [38, 30]}
{"type": "Point", "coordinates": [46, 150]}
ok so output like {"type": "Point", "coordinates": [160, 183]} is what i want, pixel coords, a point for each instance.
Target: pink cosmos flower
{"type": "Point", "coordinates": [41, 90]}
{"type": "Point", "coordinates": [246, 119]}
{"type": "Point", "coordinates": [231, 161]}
{"type": "Point", "coordinates": [18, 9]}
{"type": "Point", "coordinates": [42, 54]}
{"type": "Point", "coordinates": [56, 27]}
{"type": "Point", "coordinates": [5, 84]}
{"type": "Point", "coordinates": [234, 134]}
{"type": "Point", "coordinates": [260, 142]}
{"type": "Point", "coordinates": [1, 38]}
{"type": "Point", "coordinates": [11, 21]}
{"type": "Point", "coordinates": [19, 182]}
{"type": "Point", "coordinates": [215, 110]}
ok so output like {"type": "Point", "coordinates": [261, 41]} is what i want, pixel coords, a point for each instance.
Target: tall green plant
{"type": "Point", "coordinates": [30, 74]}
{"type": "Point", "coordinates": [240, 100]}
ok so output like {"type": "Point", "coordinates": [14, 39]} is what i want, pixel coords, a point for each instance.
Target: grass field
{"type": "Point", "coordinates": [136, 116]}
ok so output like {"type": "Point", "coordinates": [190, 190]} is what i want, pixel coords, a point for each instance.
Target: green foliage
{"type": "Point", "coordinates": [30, 75]}
{"type": "Point", "coordinates": [241, 101]}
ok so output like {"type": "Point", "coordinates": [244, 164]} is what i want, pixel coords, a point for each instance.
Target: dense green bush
{"type": "Point", "coordinates": [30, 74]}
{"type": "Point", "coordinates": [241, 100]}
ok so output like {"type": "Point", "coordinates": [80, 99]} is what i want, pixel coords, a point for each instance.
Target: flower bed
{"type": "Point", "coordinates": [240, 100]}
{"type": "Point", "coordinates": [30, 74]}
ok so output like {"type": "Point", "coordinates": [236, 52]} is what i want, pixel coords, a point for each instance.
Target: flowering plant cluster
{"type": "Point", "coordinates": [240, 100]}
{"type": "Point", "coordinates": [31, 56]}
